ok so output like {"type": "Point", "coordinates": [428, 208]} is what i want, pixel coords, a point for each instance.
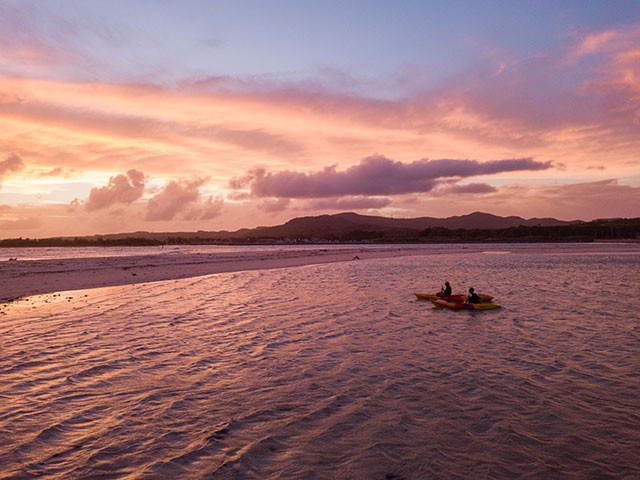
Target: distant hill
{"type": "Point", "coordinates": [352, 227]}
{"type": "Point", "coordinates": [471, 221]}
{"type": "Point", "coordinates": [343, 224]}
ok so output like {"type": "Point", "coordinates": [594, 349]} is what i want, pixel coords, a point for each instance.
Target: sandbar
{"type": "Point", "coordinates": [23, 278]}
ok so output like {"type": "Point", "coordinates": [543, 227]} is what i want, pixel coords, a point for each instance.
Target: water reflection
{"type": "Point", "coordinates": [331, 371]}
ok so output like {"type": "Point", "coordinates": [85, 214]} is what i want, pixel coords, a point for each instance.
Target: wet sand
{"type": "Point", "coordinates": [21, 278]}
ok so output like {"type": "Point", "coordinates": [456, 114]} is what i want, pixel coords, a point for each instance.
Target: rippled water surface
{"type": "Point", "coordinates": [333, 371]}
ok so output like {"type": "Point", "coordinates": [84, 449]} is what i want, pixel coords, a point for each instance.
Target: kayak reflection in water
{"type": "Point", "coordinates": [445, 291]}
{"type": "Point", "coordinates": [472, 296]}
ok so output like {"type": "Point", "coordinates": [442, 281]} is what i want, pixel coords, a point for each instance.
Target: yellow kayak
{"type": "Point", "coordinates": [464, 306]}
{"type": "Point", "coordinates": [451, 298]}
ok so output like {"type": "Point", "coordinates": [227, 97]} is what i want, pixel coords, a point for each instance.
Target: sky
{"type": "Point", "coordinates": [164, 116]}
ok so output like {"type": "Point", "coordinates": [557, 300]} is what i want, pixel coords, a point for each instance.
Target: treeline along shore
{"type": "Point", "coordinates": [352, 228]}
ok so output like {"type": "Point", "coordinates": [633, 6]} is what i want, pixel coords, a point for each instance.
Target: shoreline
{"type": "Point", "coordinates": [24, 278]}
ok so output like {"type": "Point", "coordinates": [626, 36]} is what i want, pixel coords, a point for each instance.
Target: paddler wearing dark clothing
{"type": "Point", "coordinates": [445, 291]}
{"type": "Point", "coordinates": [472, 296]}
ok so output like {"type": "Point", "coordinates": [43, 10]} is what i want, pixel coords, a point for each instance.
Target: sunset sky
{"type": "Point", "coordinates": [128, 115]}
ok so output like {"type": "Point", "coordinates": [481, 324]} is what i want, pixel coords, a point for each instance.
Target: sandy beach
{"type": "Point", "coordinates": [21, 278]}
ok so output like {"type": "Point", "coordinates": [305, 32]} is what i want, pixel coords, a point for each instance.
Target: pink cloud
{"type": "Point", "coordinates": [580, 201]}
{"type": "Point", "coordinates": [75, 108]}
{"type": "Point", "coordinates": [577, 104]}
{"type": "Point", "coordinates": [205, 209]}
{"type": "Point", "coordinates": [615, 81]}
{"type": "Point", "coordinates": [54, 172]}
{"type": "Point", "coordinates": [376, 175]}
{"type": "Point", "coordinates": [587, 92]}
{"type": "Point", "coordinates": [602, 199]}
{"type": "Point", "coordinates": [13, 163]}
{"type": "Point", "coordinates": [121, 189]}
{"type": "Point", "coordinates": [255, 139]}
{"type": "Point", "coordinates": [523, 108]}
{"type": "Point", "coordinates": [183, 199]}
{"type": "Point", "coordinates": [611, 41]}
{"type": "Point", "coordinates": [274, 205]}
{"type": "Point", "coordinates": [20, 224]}
{"type": "Point", "coordinates": [350, 203]}
{"type": "Point", "coordinates": [20, 41]}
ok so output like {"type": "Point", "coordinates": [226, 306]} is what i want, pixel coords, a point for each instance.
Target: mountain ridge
{"type": "Point", "coordinates": [340, 223]}
{"type": "Point", "coordinates": [345, 222]}
{"type": "Point", "coordinates": [354, 227]}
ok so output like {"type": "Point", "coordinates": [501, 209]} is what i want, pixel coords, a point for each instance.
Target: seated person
{"type": "Point", "coordinates": [472, 296]}
{"type": "Point", "coordinates": [445, 291]}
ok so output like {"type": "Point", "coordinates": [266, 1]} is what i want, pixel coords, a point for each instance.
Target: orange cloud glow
{"type": "Point", "coordinates": [555, 133]}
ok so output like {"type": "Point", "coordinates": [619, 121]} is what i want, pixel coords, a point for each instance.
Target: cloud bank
{"type": "Point", "coordinates": [177, 200]}
{"type": "Point", "coordinates": [376, 175]}
{"type": "Point", "coordinates": [76, 105]}
{"type": "Point", "coordinates": [13, 163]}
{"type": "Point", "coordinates": [121, 189]}
{"type": "Point", "coordinates": [349, 203]}
{"type": "Point", "coordinates": [183, 200]}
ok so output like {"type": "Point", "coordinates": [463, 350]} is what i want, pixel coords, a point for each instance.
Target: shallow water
{"type": "Point", "coordinates": [333, 371]}
{"type": "Point", "coordinates": [48, 253]}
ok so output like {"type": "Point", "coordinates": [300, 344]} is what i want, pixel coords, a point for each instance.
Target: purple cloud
{"type": "Point", "coordinates": [376, 175]}
{"type": "Point", "coordinates": [350, 203]}
{"type": "Point", "coordinates": [470, 188]}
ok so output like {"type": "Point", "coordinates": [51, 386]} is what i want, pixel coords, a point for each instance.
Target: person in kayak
{"type": "Point", "coordinates": [472, 296]}
{"type": "Point", "coordinates": [445, 291]}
